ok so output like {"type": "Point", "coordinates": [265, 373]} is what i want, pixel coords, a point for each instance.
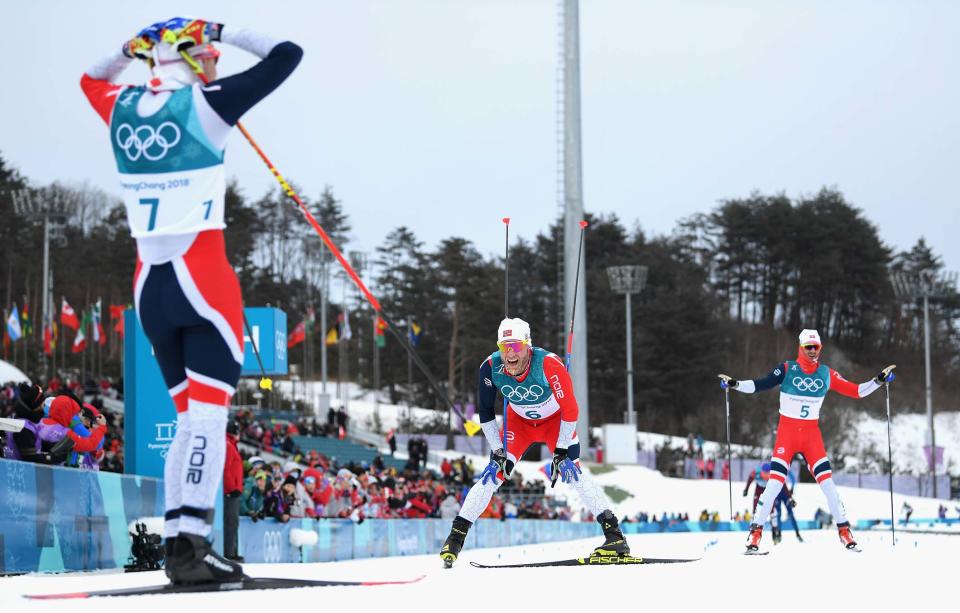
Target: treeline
{"type": "Point", "coordinates": [728, 290]}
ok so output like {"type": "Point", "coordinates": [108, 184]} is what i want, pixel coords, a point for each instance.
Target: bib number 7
{"type": "Point", "coordinates": [154, 204]}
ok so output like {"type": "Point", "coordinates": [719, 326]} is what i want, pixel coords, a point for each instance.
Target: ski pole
{"type": "Point", "coordinates": [893, 530]}
{"type": "Point", "coordinates": [576, 284]}
{"type": "Point", "coordinates": [506, 307]}
{"type": "Point", "coordinates": [726, 396]}
{"type": "Point", "coordinates": [470, 427]}
{"type": "Point", "coordinates": [265, 382]}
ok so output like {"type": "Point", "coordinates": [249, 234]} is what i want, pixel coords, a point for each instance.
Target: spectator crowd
{"type": "Point", "coordinates": [64, 424]}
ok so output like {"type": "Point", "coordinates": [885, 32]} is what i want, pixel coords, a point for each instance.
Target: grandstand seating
{"type": "Point", "coordinates": [344, 451]}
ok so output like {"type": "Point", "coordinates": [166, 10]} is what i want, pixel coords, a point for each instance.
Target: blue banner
{"type": "Point", "coordinates": [150, 419]}
{"type": "Point", "coordinates": [56, 519]}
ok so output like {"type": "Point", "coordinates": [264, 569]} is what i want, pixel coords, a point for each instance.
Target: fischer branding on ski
{"type": "Point", "coordinates": [591, 561]}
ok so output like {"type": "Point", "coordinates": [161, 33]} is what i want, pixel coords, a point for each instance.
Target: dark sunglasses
{"type": "Point", "coordinates": [811, 347]}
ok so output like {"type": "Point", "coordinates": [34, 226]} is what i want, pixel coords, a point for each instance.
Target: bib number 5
{"type": "Point", "coordinates": [805, 411]}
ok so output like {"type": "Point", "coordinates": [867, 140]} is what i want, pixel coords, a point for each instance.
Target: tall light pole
{"type": "Point", "coordinates": [571, 199]}
{"type": "Point", "coordinates": [926, 284]}
{"type": "Point", "coordinates": [628, 280]}
{"type": "Point", "coordinates": [54, 210]}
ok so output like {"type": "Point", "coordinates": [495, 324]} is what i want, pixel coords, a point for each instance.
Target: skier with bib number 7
{"type": "Point", "coordinates": [804, 384]}
{"type": "Point", "coordinates": [168, 138]}
{"type": "Point", "coordinates": [541, 408]}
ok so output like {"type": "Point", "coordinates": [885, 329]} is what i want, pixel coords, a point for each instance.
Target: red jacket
{"type": "Point", "coordinates": [232, 468]}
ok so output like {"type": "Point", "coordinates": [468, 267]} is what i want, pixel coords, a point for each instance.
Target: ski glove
{"type": "Point", "coordinates": [183, 32]}
{"type": "Point", "coordinates": [140, 46]}
{"type": "Point", "coordinates": [562, 466]}
{"type": "Point", "coordinates": [886, 375]}
{"type": "Point", "coordinates": [728, 381]}
{"type": "Point", "coordinates": [498, 463]}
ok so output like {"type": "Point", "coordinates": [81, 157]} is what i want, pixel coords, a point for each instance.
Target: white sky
{"type": "Point", "coordinates": [440, 114]}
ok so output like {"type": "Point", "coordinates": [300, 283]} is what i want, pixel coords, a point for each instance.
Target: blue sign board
{"type": "Point", "coordinates": [268, 331]}
{"type": "Point", "coordinates": [150, 419]}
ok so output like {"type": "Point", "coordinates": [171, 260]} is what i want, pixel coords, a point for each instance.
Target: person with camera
{"type": "Point", "coordinates": [57, 435]}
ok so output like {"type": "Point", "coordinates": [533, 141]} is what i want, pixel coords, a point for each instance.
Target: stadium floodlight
{"type": "Point", "coordinates": [54, 209]}
{"type": "Point", "coordinates": [628, 280]}
{"type": "Point", "coordinates": [926, 284]}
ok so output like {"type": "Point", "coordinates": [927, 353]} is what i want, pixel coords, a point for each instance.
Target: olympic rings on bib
{"type": "Point", "coordinates": [152, 144]}
{"type": "Point", "coordinates": [808, 384]}
{"type": "Point", "coordinates": [520, 393]}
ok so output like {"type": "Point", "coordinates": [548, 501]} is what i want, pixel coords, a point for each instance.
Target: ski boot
{"type": "Point", "coordinates": [846, 537]}
{"type": "Point", "coordinates": [753, 540]}
{"type": "Point", "coordinates": [191, 559]}
{"type": "Point", "coordinates": [614, 544]}
{"type": "Point", "coordinates": [454, 543]}
{"type": "Point", "coordinates": [777, 536]}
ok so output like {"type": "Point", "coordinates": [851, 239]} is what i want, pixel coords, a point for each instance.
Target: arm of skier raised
{"type": "Point", "coordinates": [98, 83]}
{"type": "Point", "coordinates": [559, 380]}
{"type": "Point", "coordinates": [233, 96]}
{"type": "Point", "coordinates": [749, 386]}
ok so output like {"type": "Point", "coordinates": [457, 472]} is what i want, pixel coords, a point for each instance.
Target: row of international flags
{"type": "Point", "coordinates": [87, 327]}
{"type": "Point", "coordinates": [341, 331]}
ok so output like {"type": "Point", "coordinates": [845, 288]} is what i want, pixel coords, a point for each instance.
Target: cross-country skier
{"type": "Point", "coordinates": [541, 409]}
{"type": "Point", "coordinates": [168, 139]}
{"type": "Point", "coordinates": [786, 500]}
{"type": "Point", "coordinates": [759, 478]}
{"type": "Point", "coordinates": [804, 383]}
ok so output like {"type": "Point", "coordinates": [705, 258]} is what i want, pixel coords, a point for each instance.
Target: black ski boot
{"type": "Point", "coordinates": [614, 543]}
{"type": "Point", "coordinates": [454, 543]}
{"type": "Point", "coordinates": [192, 559]}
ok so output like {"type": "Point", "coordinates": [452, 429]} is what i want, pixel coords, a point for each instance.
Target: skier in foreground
{"type": "Point", "coordinates": [168, 139]}
{"type": "Point", "coordinates": [804, 383]}
{"type": "Point", "coordinates": [541, 409]}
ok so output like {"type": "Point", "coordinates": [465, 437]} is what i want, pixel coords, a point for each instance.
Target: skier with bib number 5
{"type": "Point", "coordinates": [168, 138]}
{"type": "Point", "coordinates": [541, 408]}
{"type": "Point", "coordinates": [804, 384]}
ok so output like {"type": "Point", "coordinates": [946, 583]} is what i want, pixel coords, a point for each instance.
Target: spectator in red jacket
{"type": "Point", "coordinates": [232, 490]}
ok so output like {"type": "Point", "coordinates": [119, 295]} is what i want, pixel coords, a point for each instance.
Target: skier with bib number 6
{"type": "Point", "coordinates": [541, 408]}
{"type": "Point", "coordinates": [168, 139]}
{"type": "Point", "coordinates": [804, 384]}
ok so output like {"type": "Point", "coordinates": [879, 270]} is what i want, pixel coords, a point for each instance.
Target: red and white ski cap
{"type": "Point", "coordinates": [810, 337]}
{"type": "Point", "coordinates": [513, 329]}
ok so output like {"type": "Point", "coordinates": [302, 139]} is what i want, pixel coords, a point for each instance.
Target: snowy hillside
{"type": "Point", "coordinates": [868, 442]}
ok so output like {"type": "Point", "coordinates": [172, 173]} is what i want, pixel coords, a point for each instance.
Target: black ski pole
{"type": "Point", "coordinates": [893, 530]}
{"type": "Point", "coordinates": [726, 396]}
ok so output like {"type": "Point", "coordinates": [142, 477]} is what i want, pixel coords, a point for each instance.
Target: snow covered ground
{"type": "Point", "coordinates": [798, 576]}
{"type": "Point", "coordinates": [817, 575]}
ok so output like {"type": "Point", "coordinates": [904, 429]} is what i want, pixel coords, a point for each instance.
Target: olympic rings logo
{"type": "Point", "coordinates": [808, 384]}
{"type": "Point", "coordinates": [152, 144]}
{"type": "Point", "coordinates": [519, 393]}
{"type": "Point", "coordinates": [271, 546]}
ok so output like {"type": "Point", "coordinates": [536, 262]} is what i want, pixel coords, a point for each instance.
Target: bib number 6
{"type": "Point", "coordinates": [532, 415]}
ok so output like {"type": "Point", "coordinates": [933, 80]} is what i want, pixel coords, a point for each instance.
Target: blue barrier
{"type": "Point", "coordinates": [650, 527]}
{"type": "Point", "coordinates": [341, 539]}
{"type": "Point", "coordinates": [55, 519]}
